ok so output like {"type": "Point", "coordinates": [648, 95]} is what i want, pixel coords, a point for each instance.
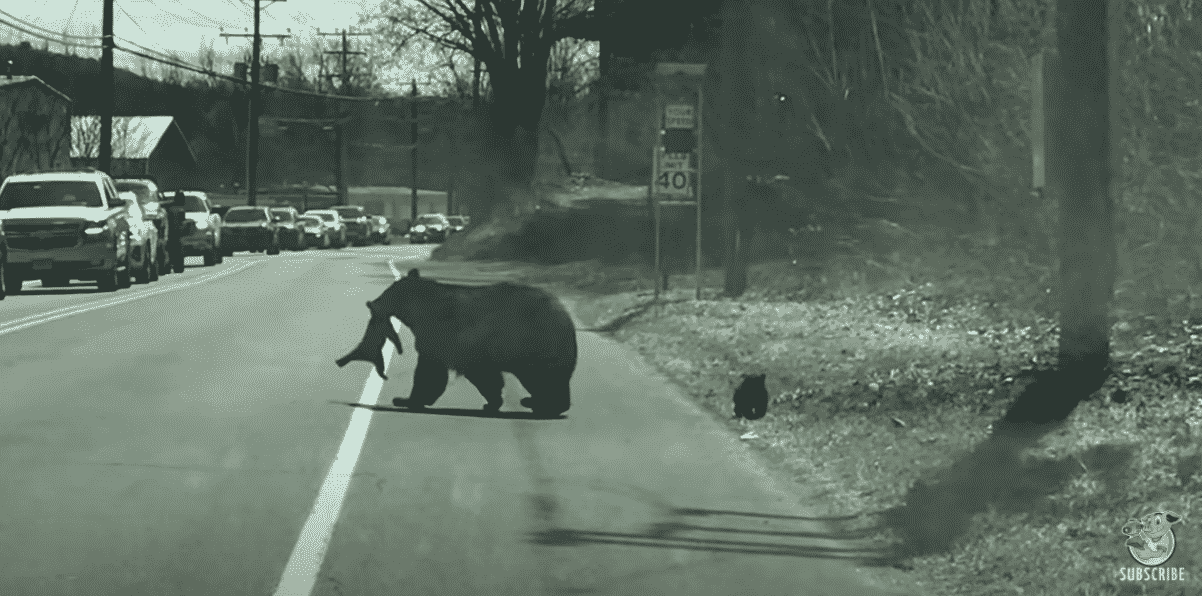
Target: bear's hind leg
{"type": "Point", "coordinates": [489, 383]}
{"type": "Point", "coordinates": [550, 392]}
{"type": "Point", "coordinates": [429, 383]}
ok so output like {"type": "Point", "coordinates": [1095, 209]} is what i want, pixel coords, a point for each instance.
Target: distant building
{"type": "Point", "coordinates": [142, 146]}
{"type": "Point", "coordinates": [35, 126]}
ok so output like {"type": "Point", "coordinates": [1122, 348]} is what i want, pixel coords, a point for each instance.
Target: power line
{"type": "Point", "coordinates": [191, 68]}
{"type": "Point", "coordinates": [70, 18]}
{"type": "Point", "coordinates": [48, 39]}
{"type": "Point", "coordinates": [131, 19]}
{"type": "Point", "coordinates": [47, 31]}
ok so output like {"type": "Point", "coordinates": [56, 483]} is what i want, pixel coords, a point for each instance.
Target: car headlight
{"type": "Point", "coordinates": [419, 228]}
{"type": "Point", "coordinates": [437, 227]}
{"type": "Point", "coordinates": [98, 227]}
{"type": "Point", "coordinates": [201, 224]}
{"type": "Point", "coordinates": [262, 224]}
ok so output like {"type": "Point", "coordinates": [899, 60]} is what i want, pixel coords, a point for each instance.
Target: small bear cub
{"type": "Point", "coordinates": [751, 398]}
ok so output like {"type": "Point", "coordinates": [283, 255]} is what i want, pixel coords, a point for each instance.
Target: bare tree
{"type": "Point", "coordinates": [513, 39]}
{"type": "Point", "coordinates": [573, 66]}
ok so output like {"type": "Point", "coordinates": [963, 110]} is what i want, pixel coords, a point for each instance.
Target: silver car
{"type": "Point", "coordinates": [338, 232]}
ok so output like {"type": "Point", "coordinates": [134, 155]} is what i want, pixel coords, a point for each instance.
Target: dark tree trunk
{"type": "Point", "coordinates": [1081, 169]}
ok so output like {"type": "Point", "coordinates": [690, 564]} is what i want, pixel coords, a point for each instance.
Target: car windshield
{"type": "Point", "coordinates": [194, 204]}
{"type": "Point", "coordinates": [309, 221]}
{"type": "Point", "coordinates": [284, 216]}
{"type": "Point", "coordinates": [237, 215]}
{"type": "Point", "coordinates": [429, 220]}
{"type": "Point", "coordinates": [349, 212]}
{"type": "Point", "coordinates": [50, 193]}
{"type": "Point", "coordinates": [458, 221]}
{"type": "Point", "coordinates": [325, 216]}
{"type": "Point", "coordinates": [139, 189]}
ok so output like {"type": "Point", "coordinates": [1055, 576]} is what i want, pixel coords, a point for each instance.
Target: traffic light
{"type": "Point", "coordinates": [678, 140]}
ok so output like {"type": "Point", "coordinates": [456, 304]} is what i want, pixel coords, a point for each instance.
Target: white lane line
{"type": "Point", "coordinates": [300, 574]}
{"type": "Point", "coordinates": [62, 313]}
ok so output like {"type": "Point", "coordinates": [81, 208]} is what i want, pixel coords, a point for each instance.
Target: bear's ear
{"type": "Point", "coordinates": [414, 273]}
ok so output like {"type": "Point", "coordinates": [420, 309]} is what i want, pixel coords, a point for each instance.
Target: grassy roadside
{"type": "Point", "coordinates": [872, 392]}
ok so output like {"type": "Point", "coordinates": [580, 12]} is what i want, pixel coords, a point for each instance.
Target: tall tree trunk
{"type": "Point", "coordinates": [1082, 170]}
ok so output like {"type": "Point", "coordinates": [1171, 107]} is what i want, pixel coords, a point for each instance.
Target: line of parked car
{"type": "Point", "coordinates": [56, 226]}
{"type": "Point", "coordinates": [436, 227]}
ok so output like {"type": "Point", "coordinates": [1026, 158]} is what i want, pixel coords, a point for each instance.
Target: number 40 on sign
{"type": "Point", "coordinates": [673, 175]}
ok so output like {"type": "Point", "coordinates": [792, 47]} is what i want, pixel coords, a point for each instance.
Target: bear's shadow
{"type": "Point", "coordinates": [461, 412]}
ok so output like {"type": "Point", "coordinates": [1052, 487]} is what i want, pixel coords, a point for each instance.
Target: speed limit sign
{"type": "Point", "coordinates": [672, 174]}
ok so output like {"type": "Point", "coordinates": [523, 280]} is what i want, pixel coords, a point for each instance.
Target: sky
{"type": "Point", "coordinates": [186, 26]}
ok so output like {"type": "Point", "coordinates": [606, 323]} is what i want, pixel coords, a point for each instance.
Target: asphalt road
{"type": "Point", "coordinates": [194, 437]}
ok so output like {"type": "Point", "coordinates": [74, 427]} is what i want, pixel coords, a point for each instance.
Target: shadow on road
{"type": "Point", "coordinates": [741, 534]}
{"type": "Point", "coordinates": [461, 412]}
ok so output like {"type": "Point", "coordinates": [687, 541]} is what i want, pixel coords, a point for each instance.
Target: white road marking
{"type": "Point", "coordinates": [300, 574]}
{"type": "Point", "coordinates": [66, 311]}
{"type": "Point", "coordinates": [62, 313]}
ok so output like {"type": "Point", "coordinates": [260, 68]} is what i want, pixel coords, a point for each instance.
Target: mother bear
{"type": "Point", "coordinates": [479, 332]}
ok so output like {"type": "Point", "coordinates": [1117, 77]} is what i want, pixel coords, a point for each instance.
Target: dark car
{"type": "Point", "coordinates": [358, 225]}
{"type": "Point", "coordinates": [150, 199]}
{"type": "Point", "coordinates": [251, 229]}
{"type": "Point", "coordinates": [381, 229]}
{"type": "Point", "coordinates": [431, 227]}
{"type": "Point", "coordinates": [292, 235]}
{"type": "Point", "coordinates": [458, 223]}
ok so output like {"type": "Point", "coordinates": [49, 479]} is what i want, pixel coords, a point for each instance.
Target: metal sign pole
{"type": "Point", "coordinates": [655, 209]}
{"type": "Point", "coordinates": [697, 189]}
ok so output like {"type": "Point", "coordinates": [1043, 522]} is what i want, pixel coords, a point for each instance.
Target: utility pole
{"type": "Point", "coordinates": [345, 76]}
{"type": "Point", "coordinates": [105, 156]}
{"type": "Point", "coordinates": [252, 109]}
{"type": "Point", "coordinates": [413, 152]}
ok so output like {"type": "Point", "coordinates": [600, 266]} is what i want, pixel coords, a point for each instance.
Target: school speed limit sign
{"type": "Point", "coordinates": [673, 176]}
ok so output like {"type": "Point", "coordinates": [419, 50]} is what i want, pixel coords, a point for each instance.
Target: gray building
{"type": "Point", "coordinates": [35, 126]}
{"type": "Point", "coordinates": [142, 146]}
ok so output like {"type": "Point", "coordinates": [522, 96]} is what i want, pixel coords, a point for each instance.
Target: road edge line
{"type": "Point", "coordinates": [309, 553]}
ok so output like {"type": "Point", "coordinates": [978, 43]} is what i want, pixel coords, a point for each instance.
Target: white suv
{"type": "Point", "coordinates": [64, 225]}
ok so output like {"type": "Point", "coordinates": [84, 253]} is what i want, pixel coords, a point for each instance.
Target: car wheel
{"type": "Point", "coordinates": [3, 278]}
{"type": "Point", "coordinates": [109, 280]}
{"type": "Point", "coordinates": [142, 275]}
{"type": "Point", "coordinates": [177, 261]}
{"type": "Point", "coordinates": [220, 252]}
{"type": "Point", "coordinates": [300, 242]}
{"type": "Point", "coordinates": [124, 277]}
{"type": "Point", "coordinates": [153, 266]}
{"type": "Point", "coordinates": [164, 261]}
{"type": "Point", "coordinates": [210, 257]}
{"type": "Point", "coordinates": [274, 248]}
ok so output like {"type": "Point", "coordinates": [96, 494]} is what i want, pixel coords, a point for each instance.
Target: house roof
{"type": "Point", "coordinates": [134, 137]}
{"type": "Point", "coordinates": [31, 80]}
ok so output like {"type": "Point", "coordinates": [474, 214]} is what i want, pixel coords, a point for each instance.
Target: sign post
{"type": "Point", "coordinates": [676, 160]}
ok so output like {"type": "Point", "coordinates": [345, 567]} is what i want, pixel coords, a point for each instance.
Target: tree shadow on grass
{"type": "Point", "coordinates": [938, 511]}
